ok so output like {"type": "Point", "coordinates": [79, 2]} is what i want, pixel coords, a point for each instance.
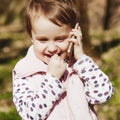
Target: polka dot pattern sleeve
{"type": "Point", "coordinates": [98, 88]}
{"type": "Point", "coordinates": [36, 104]}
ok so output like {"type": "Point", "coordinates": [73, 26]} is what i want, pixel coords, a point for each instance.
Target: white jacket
{"type": "Point", "coordinates": [40, 96]}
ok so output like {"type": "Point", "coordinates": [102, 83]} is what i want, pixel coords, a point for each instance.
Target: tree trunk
{"type": "Point", "coordinates": [84, 23]}
{"type": "Point", "coordinates": [112, 14]}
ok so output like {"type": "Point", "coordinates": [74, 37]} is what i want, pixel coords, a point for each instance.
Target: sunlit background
{"type": "Point", "coordinates": [100, 22]}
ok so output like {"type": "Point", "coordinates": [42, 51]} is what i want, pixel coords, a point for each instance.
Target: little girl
{"type": "Point", "coordinates": [45, 87]}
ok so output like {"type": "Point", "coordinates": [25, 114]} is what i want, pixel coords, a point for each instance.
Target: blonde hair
{"type": "Point", "coordinates": [57, 11]}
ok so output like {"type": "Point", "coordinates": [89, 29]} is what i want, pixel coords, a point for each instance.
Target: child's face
{"type": "Point", "coordinates": [49, 39]}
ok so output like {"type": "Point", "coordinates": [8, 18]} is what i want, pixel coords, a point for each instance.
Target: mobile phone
{"type": "Point", "coordinates": [70, 50]}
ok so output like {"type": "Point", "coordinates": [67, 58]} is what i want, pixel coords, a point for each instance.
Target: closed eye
{"type": "Point", "coordinates": [42, 40]}
{"type": "Point", "coordinates": [61, 39]}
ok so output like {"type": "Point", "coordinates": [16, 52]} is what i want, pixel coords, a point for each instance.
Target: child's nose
{"type": "Point", "coordinates": [52, 48]}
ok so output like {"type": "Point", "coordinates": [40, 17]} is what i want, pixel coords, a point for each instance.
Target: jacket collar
{"type": "Point", "coordinates": [29, 65]}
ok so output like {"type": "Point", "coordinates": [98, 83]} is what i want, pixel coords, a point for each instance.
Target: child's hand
{"type": "Point", "coordinates": [78, 49]}
{"type": "Point", "coordinates": [56, 66]}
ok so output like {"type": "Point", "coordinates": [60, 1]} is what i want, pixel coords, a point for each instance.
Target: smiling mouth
{"type": "Point", "coordinates": [48, 55]}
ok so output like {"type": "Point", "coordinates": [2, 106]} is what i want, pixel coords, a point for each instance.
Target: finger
{"type": "Point", "coordinates": [57, 57]}
{"type": "Point", "coordinates": [76, 40]}
{"type": "Point", "coordinates": [78, 34]}
{"type": "Point", "coordinates": [54, 56]}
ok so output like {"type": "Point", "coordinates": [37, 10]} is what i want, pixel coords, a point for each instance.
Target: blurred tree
{"type": "Point", "coordinates": [12, 13]}
{"type": "Point", "coordinates": [112, 14]}
{"type": "Point", "coordinates": [84, 23]}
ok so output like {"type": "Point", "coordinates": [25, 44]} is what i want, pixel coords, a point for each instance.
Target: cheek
{"type": "Point", "coordinates": [63, 46]}
{"type": "Point", "coordinates": [63, 49]}
{"type": "Point", "coordinates": [39, 49]}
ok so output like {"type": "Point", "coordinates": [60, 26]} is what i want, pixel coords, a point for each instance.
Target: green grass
{"type": "Point", "coordinates": [11, 115]}
{"type": "Point", "coordinates": [6, 96]}
{"type": "Point", "coordinates": [5, 75]}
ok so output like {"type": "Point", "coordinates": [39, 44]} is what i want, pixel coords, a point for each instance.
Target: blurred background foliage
{"type": "Point", "coordinates": [100, 24]}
